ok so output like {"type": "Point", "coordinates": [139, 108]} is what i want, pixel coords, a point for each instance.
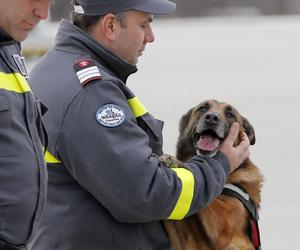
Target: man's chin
{"type": "Point", "coordinates": [133, 61]}
{"type": "Point", "coordinates": [21, 35]}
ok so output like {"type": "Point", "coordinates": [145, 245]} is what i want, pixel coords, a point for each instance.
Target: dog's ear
{"type": "Point", "coordinates": [184, 121]}
{"type": "Point", "coordinates": [249, 130]}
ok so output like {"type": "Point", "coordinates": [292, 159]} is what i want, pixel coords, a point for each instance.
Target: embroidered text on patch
{"type": "Point", "coordinates": [110, 115]}
{"type": "Point", "coordinates": [86, 71]}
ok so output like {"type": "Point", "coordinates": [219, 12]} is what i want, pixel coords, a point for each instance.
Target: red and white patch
{"type": "Point", "coordinates": [86, 71]}
{"type": "Point", "coordinates": [84, 63]}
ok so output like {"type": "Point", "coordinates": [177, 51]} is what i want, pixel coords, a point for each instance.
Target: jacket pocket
{"type": "Point", "coordinates": [5, 102]}
{"type": "Point", "coordinates": [6, 141]}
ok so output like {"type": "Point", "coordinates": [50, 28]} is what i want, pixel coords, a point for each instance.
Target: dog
{"type": "Point", "coordinates": [226, 223]}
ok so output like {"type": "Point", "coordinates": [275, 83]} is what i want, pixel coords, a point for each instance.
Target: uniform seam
{"type": "Point", "coordinates": [63, 120]}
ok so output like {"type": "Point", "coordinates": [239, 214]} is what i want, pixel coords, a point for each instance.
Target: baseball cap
{"type": "Point", "coordinates": [102, 7]}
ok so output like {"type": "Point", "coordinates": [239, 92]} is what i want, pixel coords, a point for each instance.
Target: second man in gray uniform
{"type": "Point", "coordinates": [107, 188]}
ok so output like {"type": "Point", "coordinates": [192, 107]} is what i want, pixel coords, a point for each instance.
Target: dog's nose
{"type": "Point", "coordinates": [212, 118]}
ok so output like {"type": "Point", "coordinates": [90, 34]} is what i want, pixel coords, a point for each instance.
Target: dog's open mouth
{"type": "Point", "coordinates": [207, 143]}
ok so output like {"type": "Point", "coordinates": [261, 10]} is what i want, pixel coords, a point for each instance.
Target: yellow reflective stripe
{"type": "Point", "coordinates": [137, 107]}
{"type": "Point", "coordinates": [186, 196]}
{"type": "Point", "coordinates": [49, 158]}
{"type": "Point", "coordinates": [14, 82]}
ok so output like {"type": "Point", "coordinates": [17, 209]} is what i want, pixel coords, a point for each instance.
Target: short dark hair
{"type": "Point", "coordinates": [82, 21]}
{"type": "Point", "coordinates": [87, 22]}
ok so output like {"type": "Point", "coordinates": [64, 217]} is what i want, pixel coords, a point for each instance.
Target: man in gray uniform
{"type": "Point", "coordinates": [107, 188]}
{"type": "Point", "coordinates": [23, 173]}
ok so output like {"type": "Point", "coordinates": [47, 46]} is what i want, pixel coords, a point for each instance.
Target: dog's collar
{"type": "Point", "coordinates": [238, 192]}
{"type": "Point", "coordinates": [237, 189]}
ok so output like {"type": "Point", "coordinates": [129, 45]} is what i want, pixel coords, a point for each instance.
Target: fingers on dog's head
{"type": "Point", "coordinates": [245, 125]}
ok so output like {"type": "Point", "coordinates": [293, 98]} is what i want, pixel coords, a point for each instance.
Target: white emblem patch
{"type": "Point", "coordinates": [110, 115]}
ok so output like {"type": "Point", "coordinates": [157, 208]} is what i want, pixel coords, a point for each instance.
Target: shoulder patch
{"type": "Point", "coordinates": [86, 71]}
{"type": "Point", "coordinates": [110, 115]}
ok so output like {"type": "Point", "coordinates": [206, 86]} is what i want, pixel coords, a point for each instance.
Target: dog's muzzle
{"type": "Point", "coordinates": [209, 134]}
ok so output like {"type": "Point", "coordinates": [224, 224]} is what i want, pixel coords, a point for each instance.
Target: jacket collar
{"type": "Point", "coordinates": [73, 39]}
{"type": "Point", "coordinates": [5, 39]}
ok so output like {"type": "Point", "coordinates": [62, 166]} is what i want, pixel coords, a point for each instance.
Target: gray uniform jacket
{"type": "Point", "coordinates": [107, 189]}
{"type": "Point", "coordinates": [23, 174]}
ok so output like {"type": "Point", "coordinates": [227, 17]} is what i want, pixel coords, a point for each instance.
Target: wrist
{"type": "Point", "coordinates": [222, 158]}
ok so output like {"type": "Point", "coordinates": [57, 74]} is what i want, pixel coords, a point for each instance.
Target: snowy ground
{"type": "Point", "coordinates": [252, 63]}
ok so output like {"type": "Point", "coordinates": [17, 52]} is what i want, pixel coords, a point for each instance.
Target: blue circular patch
{"type": "Point", "coordinates": [110, 115]}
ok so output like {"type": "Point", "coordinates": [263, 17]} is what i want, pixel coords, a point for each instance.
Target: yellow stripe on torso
{"type": "Point", "coordinates": [14, 82]}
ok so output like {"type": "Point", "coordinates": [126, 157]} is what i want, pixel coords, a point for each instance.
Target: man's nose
{"type": "Point", "coordinates": [41, 9]}
{"type": "Point", "coordinates": [149, 36]}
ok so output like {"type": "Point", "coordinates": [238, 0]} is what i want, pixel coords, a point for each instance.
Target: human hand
{"type": "Point", "coordinates": [236, 154]}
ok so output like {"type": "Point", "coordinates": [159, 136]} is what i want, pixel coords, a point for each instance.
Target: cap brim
{"type": "Point", "coordinates": [157, 7]}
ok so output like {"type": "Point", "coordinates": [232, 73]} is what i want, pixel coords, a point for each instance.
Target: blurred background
{"type": "Point", "coordinates": [245, 52]}
{"type": "Point", "coordinates": [187, 8]}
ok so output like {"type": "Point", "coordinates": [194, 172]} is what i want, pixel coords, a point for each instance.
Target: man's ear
{"type": "Point", "coordinates": [249, 130]}
{"type": "Point", "coordinates": [109, 26]}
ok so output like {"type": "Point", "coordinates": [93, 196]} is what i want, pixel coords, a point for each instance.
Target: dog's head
{"type": "Point", "coordinates": [203, 128]}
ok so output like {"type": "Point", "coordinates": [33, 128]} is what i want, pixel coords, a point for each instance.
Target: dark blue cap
{"type": "Point", "coordinates": [102, 7]}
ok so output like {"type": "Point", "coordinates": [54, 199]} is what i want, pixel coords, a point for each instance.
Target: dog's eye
{"type": "Point", "coordinates": [230, 114]}
{"type": "Point", "coordinates": [202, 108]}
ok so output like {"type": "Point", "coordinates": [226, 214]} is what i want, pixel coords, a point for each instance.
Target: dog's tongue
{"type": "Point", "coordinates": [208, 143]}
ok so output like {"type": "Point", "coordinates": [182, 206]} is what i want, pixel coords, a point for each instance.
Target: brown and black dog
{"type": "Point", "coordinates": [225, 223]}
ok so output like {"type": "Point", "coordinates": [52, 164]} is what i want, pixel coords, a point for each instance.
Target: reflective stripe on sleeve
{"type": "Point", "coordinates": [186, 196]}
{"type": "Point", "coordinates": [14, 82]}
{"type": "Point", "coordinates": [137, 107]}
{"type": "Point", "coordinates": [49, 158]}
